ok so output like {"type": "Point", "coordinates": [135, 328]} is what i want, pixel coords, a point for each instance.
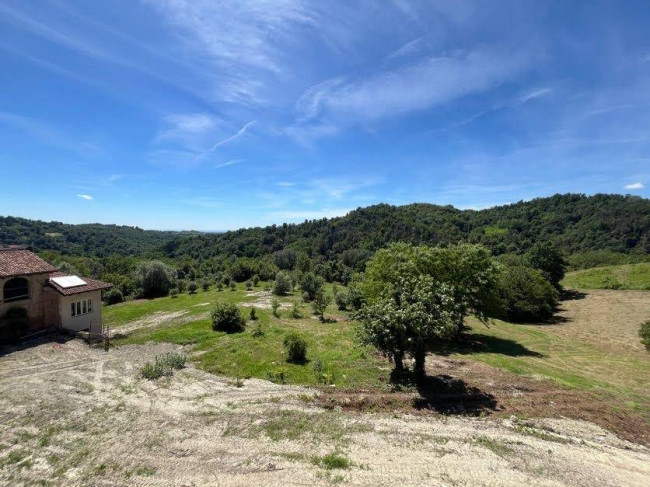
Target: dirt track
{"type": "Point", "coordinates": [70, 415]}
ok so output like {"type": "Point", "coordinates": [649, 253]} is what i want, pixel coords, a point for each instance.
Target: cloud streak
{"type": "Point", "coordinates": [225, 141]}
{"type": "Point", "coordinates": [638, 185]}
{"type": "Point", "coordinates": [85, 197]}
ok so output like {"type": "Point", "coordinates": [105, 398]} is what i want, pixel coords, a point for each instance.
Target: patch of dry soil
{"type": "Point", "coordinates": [73, 416]}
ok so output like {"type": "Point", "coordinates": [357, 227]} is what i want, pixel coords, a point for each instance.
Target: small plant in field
{"type": "Point", "coordinates": [278, 376]}
{"type": "Point", "coordinates": [295, 311]}
{"type": "Point", "coordinates": [181, 284]}
{"type": "Point", "coordinates": [296, 348]}
{"type": "Point", "coordinates": [163, 366]}
{"type": "Point", "coordinates": [256, 280]}
{"type": "Point", "coordinates": [275, 305]}
{"type": "Point", "coordinates": [282, 284]}
{"type": "Point", "coordinates": [335, 290]}
{"type": "Point", "coordinates": [192, 287]}
{"type": "Point", "coordinates": [233, 286]}
{"type": "Point", "coordinates": [341, 300]}
{"type": "Point", "coordinates": [644, 333]}
{"type": "Point", "coordinates": [257, 331]}
{"type": "Point", "coordinates": [332, 461]}
{"type": "Point", "coordinates": [173, 292]}
{"type": "Point", "coordinates": [305, 297]}
{"type": "Point", "coordinates": [219, 286]}
{"type": "Point", "coordinates": [249, 285]}
{"type": "Point", "coordinates": [253, 314]}
{"type": "Point", "coordinates": [320, 303]}
{"type": "Point", "coordinates": [205, 285]}
{"type": "Point", "coordinates": [227, 317]}
{"type": "Point", "coordinates": [322, 375]}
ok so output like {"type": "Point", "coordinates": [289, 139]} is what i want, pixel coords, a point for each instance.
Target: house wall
{"type": "Point", "coordinates": [92, 321]}
{"type": "Point", "coordinates": [35, 305]}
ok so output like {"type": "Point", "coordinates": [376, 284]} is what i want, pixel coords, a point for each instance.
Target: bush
{"type": "Point", "coordinates": [219, 286]}
{"type": "Point", "coordinates": [526, 295]}
{"type": "Point", "coordinates": [227, 317]}
{"type": "Point", "coordinates": [253, 313]}
{"type": "Point", "coordinates": [355, 298]}
{"type": "Point", "coordinates": [282, 284]}
{"type": "Point", "coordinates": [644, 333]}
{"type": "Point", "coordinates": [173, 292]}
{"type": "Point", "coordinates": [181, 285]}
{"type": "Point", "coordinates": [205, 285]}
{"type": "Point", "coordinates": [192, 287]}
{"type": "Point", "coordinates": [275, 305]}
{"type": "Point", "coordinates": [305, 297]}
{"type": "Point", "coordinates": [249, 285]}
{"type": "Point", "coordinates": [295, 311]}
{"type": "Point", "coordinates": [310, 283]}
{"type": "Point", "coordinates": [257, 331]}
{"type": "Point", "coordinates": [163, 365]}
{"type": "Point", "coordinates": [256, 280]}
{"type": "Point", "coordinates": [341, 299]}
{"type": "Point", "coordinates": [320, 303]}
{"type": "Point", "coordinates": [154, 278]}
{"type": "Point", "coordinates": [296, 348]}
{"type": "Point", "coordinates": [233, 286]}
{"type": "Point", "coordinates": [113, 296]}
{"type": "Point", "coordinates": [322, 376]}
{"type": "Point", "coordinates": [332, 461]}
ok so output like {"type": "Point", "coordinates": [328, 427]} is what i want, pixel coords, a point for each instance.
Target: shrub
{"type": "Point", "coordinates": [332, 461]}
{"type": "Point", "coordinates": [163, 365]}
{"type": "Point", "coordinates": [219, 286]}
{"type": "Point", "coordinates": [257, 331]}
{"type": "Point", "coordinates": [275, 305]}
{"type": "Point", "coordinates": [305, 297]}
{"type": "Point", "coordinates": [320, 303]}
{"type": "Point", "coordinates": [227, 317]}
{"type": "Point", "coordinates": [310, 283]}
{"type": "Point", "coordinates": [355, 298]}
{"type": "Point", "coordinates": [341, 299]}
{"type": "Point", "coordinates": [113, 296]}
{"type": "Point", "coordinates": [296, 348]}
{"type": "Point", "coordinates": [233, 286]}
{"type": "Point", "coordinates": [205, 285]}
{"type": "Point", "coordinates": [295, 311]}
{"type": "Point", "coordinates": [282, 284]}
{"type": "Point", "coordinates": [322, 376]}
{"type": "Point", "coordinates": [644, 333]}
{"type": "Point", "coordinates": [253, 313]}
{"type": "Point", "coordinates": [173, 292]}
{"type": "Point", "coordinates": [526, 295]}
{"type": "Point", "coordinates": [154, 278]}
{"type": "Point", "coordinates": [192, 287]}
{"type": "Point", "coordinates": [256, 280]}
{"type": "Point", "coordinates": [181, 284]}
{"type": "Point", "coordinates": [249, 285]}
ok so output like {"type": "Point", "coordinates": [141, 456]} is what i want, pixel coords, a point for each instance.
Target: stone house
{"type": "Point", "coordinates": [46, 298]}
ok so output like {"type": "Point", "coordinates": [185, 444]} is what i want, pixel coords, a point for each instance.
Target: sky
{"type": "Point", "coordinates": [214, 115]}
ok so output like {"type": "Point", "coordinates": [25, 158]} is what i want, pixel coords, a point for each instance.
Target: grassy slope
{"type": "Point", "coordinates": [630, 276]}
{"type": "Point", "coordinates": [522, 349]}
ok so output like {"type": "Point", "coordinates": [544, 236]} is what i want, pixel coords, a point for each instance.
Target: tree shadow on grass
{"type": "Point", "coordinates": [571, 295]}
{"type": "Point", "coordinates": [448, 395]}
{"type": "Point", "coordinates": [481, 343]}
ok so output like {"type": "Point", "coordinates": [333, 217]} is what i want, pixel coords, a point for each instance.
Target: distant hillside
{"type": "Point", "coordinates": [576, 223]}
{"type": "Point", "coordinates": [92, 240]}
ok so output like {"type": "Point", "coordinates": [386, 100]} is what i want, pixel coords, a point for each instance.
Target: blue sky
{"type": "Point", "coordinates": [213, 115]}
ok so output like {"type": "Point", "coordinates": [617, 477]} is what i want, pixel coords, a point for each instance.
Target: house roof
{"type": "Point", "coordinates": [21, 262]}
{"type": "Point", "coordinates": [91, 285]}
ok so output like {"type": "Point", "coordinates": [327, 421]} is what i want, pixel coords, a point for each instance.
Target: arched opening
{"type": "Point", "coordinates": [16, 289]}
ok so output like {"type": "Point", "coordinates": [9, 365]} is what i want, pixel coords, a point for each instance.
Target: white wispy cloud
{"type": "Point", "coordinates": [225, 141]}
{"type": "Point", "coordinates": [638, 185]}
{"type": "Point", "coordinates": [85, 196]}
{"type": "Point", "coordinates": [285, 184]}
{"type": "Point", "coordinates": [416, 87]}
{"type": "Point", "coordinates": [534, 94]}
{"type": "Point", "coordinates": [186, 126]}
{"type": "Point", "coordinates": [230, 163]}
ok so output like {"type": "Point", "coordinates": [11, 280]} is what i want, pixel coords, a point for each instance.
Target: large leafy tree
{"type": "Point", "coordinates": [154, 278]}
{"type": "Point", "coordinates": [549, 260]}
{"type": "Point", "coordinates": [417, 295]}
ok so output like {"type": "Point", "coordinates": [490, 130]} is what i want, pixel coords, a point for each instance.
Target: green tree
{"type": "Point", "coordinates": [548, 259]}
{"type": "Point", "coordinates": [310, 284]}
{"type": "Point", "coordinates": [282, 284]}
{"type": "Point", "coordinates": [526, 294]}
{"type": "Point", "coordinates": [256, 280]}
{"type": "Point", "coordinates": [192, 287]}
{"type": "Point", "coordinates": [320, 303]}
{"type": "Point", "coordinates": [154, 278]}
{"type": "Point", "coordinates": [296, 348]}
{"type": "Point", "coordinates": [644, 333]}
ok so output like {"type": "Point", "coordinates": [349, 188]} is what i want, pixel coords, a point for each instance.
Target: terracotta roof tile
{"type": "Point", "coordinates": [91, 285]}
{"type": "Point", "coordinates": [21, 262]}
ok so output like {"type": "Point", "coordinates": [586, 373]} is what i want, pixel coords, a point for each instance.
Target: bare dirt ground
{"type": "Point", "coordinates": [604, 318]}
{"type": "Point", "coordinates": [72, 416]}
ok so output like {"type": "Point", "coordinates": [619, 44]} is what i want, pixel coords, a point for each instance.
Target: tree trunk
{"type": "Point", "coordinates": [397, 374]}
{"type": "Point", "coordinates": [418, 369]}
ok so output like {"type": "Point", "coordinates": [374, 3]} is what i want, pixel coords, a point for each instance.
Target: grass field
{"type": "Point", "coordinates": [630, 276]}
{"type": "Point", "coordinates": [571, 353]}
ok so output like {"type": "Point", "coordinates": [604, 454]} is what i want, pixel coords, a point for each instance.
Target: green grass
{"type": "Point", "coordinates": [628, 276]}
{"type": "Point", "coordinates": [521, 349]}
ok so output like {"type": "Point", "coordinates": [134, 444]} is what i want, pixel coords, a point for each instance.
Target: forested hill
{"type": "Point", "coordinates": [90, 240]}
{"type": "Point", "coordinates": [576, 223]}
